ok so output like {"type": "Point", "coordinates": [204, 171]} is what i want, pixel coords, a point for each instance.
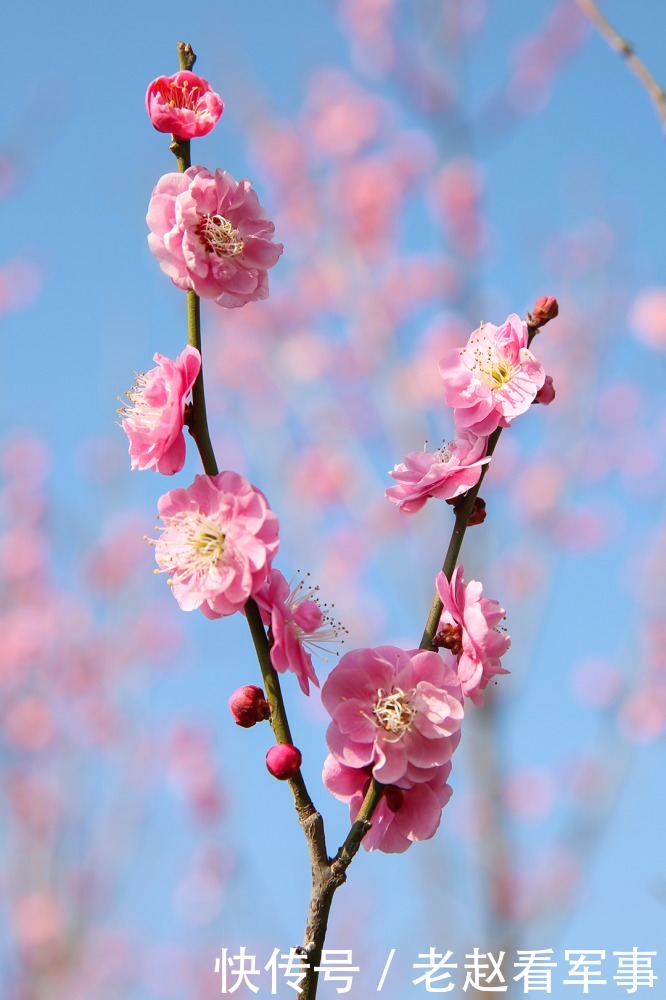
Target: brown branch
{"type": "Point", "coordinates": [327, 877]}
{"type": "Point", "coordinates": [655, 91]}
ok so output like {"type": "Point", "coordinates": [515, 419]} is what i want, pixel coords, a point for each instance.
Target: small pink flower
{"type": "Point", "coordinates": [296, 622]}
{"type": "Point", "coordinates": [493, 379]}
{"type": "Point", "coordinates": [468, 627]}
{"type": "Point", "coordinates": [210, 234]}
{"type": "Point", "coordinates": [218, 541]}
{"type": "Point", "coordinates": [404, 814]}
{"type": "Point", "coordinates": [154, 422]}
{"type": "Point", "coordinates": [447, 473]}
{"type": "Point", "coordinates": [396, 711]}
{"type": "Point", "coordinates": [184, 104]}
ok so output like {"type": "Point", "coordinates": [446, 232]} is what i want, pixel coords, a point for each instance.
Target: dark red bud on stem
{"type": "Point", "coordinates": [248, 706]}
{"type": "Point", "coordinates": [477, 514]}
{"type": "Point", "coordinates": [449, 637]}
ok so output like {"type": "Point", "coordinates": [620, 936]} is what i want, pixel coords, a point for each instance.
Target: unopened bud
{"type": "Point", "coordinates": [478, 513]}
{"type": "Point", "coordinates": [283, 761]}
{"type": "Point", "coordinates": [248, 706]}
{"type": "Point", "coordinates": [449, 637]}
{"type": "Point", "coordinates": [546, 393]}
{"type": "Point", "coordinates": [545, 309]}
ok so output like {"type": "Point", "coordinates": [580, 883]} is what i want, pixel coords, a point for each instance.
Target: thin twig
{"type": "Point", "coordinates": [655, 91]}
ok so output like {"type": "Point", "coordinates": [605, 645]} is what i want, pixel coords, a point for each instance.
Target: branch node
{"type": "Point", "coordinates": [186, 56]}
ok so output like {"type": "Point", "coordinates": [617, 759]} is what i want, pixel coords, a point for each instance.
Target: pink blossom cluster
{"type": "Point", "coordinates": [488, 382]}
{"type": "Point", "coordinates": [449, 472]}
{"type": "Point", "coordinates": [219, 536]}
{"type": "Point", "coordinates": [493, 379]}
{"type": "Point", "coordinates": [396, 718]}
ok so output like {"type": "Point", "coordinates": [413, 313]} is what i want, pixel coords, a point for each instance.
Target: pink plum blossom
{"type": "Point", "coordinates": [404, 814]}
{"type": "Point", "coordinates": [184, 104]}
{"type": "Point", "coordinates": [210, 234]}
{"type": "Point", "coordinates": [296, 621]}
{"type": "Point", "coordinates": [493, 379]}
{"type": "Point", "coordinates": [396, 711]}
{"type": "Point", "coordinates": [154, 422]}
{"type": "Point", "coordinates": [468, 627]}
{"type": "Point", "coordinates": [218, 540]}
{"type": "Point", "coordinates": [447, 473]}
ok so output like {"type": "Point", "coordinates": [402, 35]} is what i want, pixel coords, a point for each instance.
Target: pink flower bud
{"type": "Point", "coordinates": [184, 104]}
{"type": "Point", "coordinates": [248, 706]}
{"type": "Point", "coordinates": [546, 393]}
{"type": "Point", "coordinates": [283, 761]}
{"type": "Point", "coordinates": [545, 309]}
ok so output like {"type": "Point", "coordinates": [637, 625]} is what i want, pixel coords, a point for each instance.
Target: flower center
{"type": "Point", "coordinates": [143, 414]}
{"type": "Point", "coordinates": [443, 455]}
{"type": "Point", "coordinates": [500, 373]}
{"type": "Point", "coordinates": [393, 711]}
{"type": "Point", "coordinates": [181, 96]}
{"type": "Point", "coordinates": [492, 369]}
{"type": "Point", "coordinates": [220, 236]}
{"type": "Point", "coordinates": [191, 543]}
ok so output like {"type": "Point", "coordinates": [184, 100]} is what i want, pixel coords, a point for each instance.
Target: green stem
{"type": "Point", "coordinates": [360, 826]}
{"type": "Point", "coordinates": [463, 512]}
{"type": "Point", "coordinates": [186, 56]}
{"type": "Point", "coordinates": [198, 421]}
{"type": "Point", "coordinates": [198, 427]}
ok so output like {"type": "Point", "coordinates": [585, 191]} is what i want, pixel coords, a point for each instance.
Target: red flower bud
{"type": "Point", "coordinates": [478, 513]}
{"type": "Point", "coordinates": [546, 393]}
{"type": "Point", "coordinates": [283, 761]}
{"type": "Point", "coordinates": [248, 706]}
{"type": "Point", "coordinates": [449, 637]}
{"type": "Point", "coordinates": [545, 309]}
